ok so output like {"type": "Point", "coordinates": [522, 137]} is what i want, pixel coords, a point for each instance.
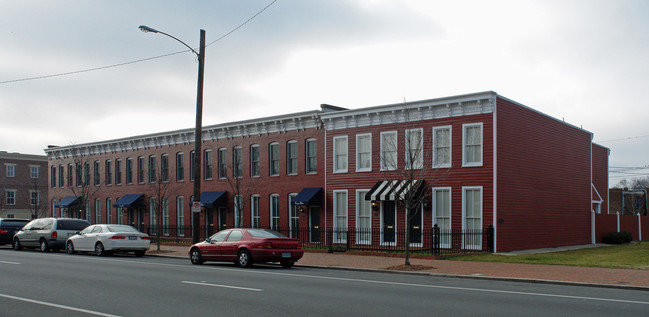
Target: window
{"type": "Point", "coordinates": [293, 216]}
{"type": "Point", "coordinates": [254, 161]}
{"type": "Point", "coordinates": [69, 178]}
{"type": "Point", "coordinates": [129, 171]}
{"type": "Point", "coordinates": [34, 197]}
{"type": "Point", "coordinates": [97, 211]}
{"type": "Point", "coordinates": [236, 162]}
{"type": "Point", "coordinates": [472, 217]}
{"type": "Point", "coordinates": [118, 172]}
{"type": "Point", "coordinates": [11, 170]}
{"type": "Point", "coordinates": [53, 207]}
{"type": "Point", "coordinates": [442, 214]}
{"type": "Point", "coordinates": [52, 176]}
{"type": "Point", "coordinates": [109, 211]}
{"type": "Point", "coordinates": [363, 218]}
{"type": "Point", "coordinates": [61, 176]}
{"type": "Point", "coordinates": [180, 219]}
{"type": "Point", "coordinates": [33, 171]}
{"type": "Point", "coordinates": [254, 211]}
{"type": "Point", "coordinates": [78, 172]}
{"type": "Point", "coordinates": [223, 162]}
{"type": "Point", "coordinates": [165, 216]}
{"type": "Point", "coordinates": [153, 219]}
{"type": "Point", "coordinates": [472, 144]}
{"type": "Point", "coordinates": [274, 212]}
{"type": "Point", "coordinates": [95, 173]}
{"type": "Point", "coordinates": [140, 169]}
{"type": "Point", "coordinates": [291, 157]}
{"type": "Point", "coordinates": [238, 215]}
{"type": "Point", "coordinates": [340, 216]}
{"type": "Point", "coordinates": [388, 150]}
{"type": "Point", "coordinates": [86, 173]}
{"type": "Point", "coordinates": [414, 149]}
{"type": "Point", "coordinates": [191, 165]}
{"type": "Point", "coordinates": [311, 156]}
{"type": "Point", "coordinates": [10, 197]}
{"type": "Point", "coordinates": [180, 166]}
{"type": "Point", "coordinates": [363, 152]}
{"type": "Point", "coordinates": [274, 159]}
{"type": "Point", "coordinates": [442, 147]}
{"type": "Point", "coordinates": [107, 172]}
{"type": "Point", "coordinates": [207, 164]}
{"type": "Point", "coordinates": [340, 154]}
{"type": "Point", "coordinates": [152, 171]}
{"type": "Point", "coordinates": [164, 167]}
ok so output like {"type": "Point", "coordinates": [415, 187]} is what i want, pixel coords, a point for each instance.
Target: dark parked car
{"type": "Point", "coordinates": [246, 246]}
{"type": "Point", "coordinates": [48, 233]}
{"type": "Point", "coordinates": [8, 227]}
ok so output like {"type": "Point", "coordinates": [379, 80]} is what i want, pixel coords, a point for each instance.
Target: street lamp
{"type": "Point", "coordinates": [199, 125]}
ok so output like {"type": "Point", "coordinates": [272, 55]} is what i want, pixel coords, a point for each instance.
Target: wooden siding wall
{"type": "Point", "coordinates": [543, 182]}
{"type": "Point", "coordinates": [600, 175]}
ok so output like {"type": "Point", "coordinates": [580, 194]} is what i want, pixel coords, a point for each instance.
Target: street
{"type": "Point", "coordinates": [58, 284]}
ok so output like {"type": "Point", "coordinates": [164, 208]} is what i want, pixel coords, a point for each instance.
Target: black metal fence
{"type": "Point", "coordinates": [430, 241]}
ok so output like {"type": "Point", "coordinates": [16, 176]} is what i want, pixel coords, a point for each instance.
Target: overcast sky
{"type": "Point", "coordinates": [581, 61]}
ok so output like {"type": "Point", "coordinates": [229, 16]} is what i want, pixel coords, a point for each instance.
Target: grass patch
{"type": "Point", "coordinates": [634, 255]}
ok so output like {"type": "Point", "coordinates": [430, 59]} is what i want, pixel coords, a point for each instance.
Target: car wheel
{"type": "Point", "coordinates": [43, 246]}
{"type": "Point", "coordinates": [195, 256]}
{"type": "Point", "coordinates": [244, 259]}
{"type": "Point", "coordinates": [99, 249]}
{"type": "Point", "coordinates": [287, 264]}
{"type": "Point", "coordinates": [17, 245]}
{"type": "Point", "coordinates": [69, 247]}
{"type": "Point", "coordinates": [139, 253]}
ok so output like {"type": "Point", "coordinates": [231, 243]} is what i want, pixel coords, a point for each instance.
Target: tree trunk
{"type": "Point", "coordinates": [407, 235]}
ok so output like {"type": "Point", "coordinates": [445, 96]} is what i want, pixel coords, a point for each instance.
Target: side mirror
{"type": "Point", "coordinates": [208, 240]}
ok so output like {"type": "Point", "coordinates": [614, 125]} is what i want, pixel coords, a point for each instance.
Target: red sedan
{"type": "Point", "coordinates": [245, 246]}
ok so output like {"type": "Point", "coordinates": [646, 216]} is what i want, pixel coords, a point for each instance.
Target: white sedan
{"type": "Point", "coordinates": [105, 239]}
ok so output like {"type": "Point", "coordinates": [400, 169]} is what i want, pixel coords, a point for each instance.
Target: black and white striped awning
{"type": "Point", "coordinates": [393, 190]}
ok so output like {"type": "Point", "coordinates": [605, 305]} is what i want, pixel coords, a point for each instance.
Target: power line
{"type": "Point", "coordinates": [139, 60]}
{"type": "Point", "coordinates": [625, 139]}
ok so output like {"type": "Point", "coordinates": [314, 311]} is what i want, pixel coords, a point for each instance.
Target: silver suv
{"type": "Point", "coordinates": [47, 233]}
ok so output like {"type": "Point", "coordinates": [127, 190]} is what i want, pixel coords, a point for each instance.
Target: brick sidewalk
{"type": "Point", "coordinates": [529, 272]}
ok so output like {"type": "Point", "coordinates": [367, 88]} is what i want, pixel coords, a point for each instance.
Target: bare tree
{"type": "Point", "coordinates": [38, 209]}
{"type": "Point", "coordinates": [158, 197]}
{"type": "Point", "coordinates": [634, 183]}
{"type": "Point", "coordinates": [79, 183]}
{"type": "Point", "coordinates": [242, 187]}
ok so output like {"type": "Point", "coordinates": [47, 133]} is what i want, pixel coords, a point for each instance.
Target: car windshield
{"type": "Point", "coordinates": [121, 228]}
{"type": "Point", "coordinates": [71, 224]}
{"type": "Point", "coordinates": [263, 233]}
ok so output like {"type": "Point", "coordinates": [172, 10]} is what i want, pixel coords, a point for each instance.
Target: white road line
{"type": "Point", "coordinates": [81, 310]}
{"type": "Point", "coordinates": [7, 262]}
{"type": "Point", "coordinates": [224, 286]}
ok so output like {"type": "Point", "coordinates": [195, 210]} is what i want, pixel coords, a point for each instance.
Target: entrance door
{"type": "Point", "coordinates": [209, 227]}
{"type": "Point", "coordinates": [314, 224]}
{"type": "Point", "coordinates": [223, 212]}
{"type": "Point", "coordinates": [415, 227]}
{"type": "Point", "coordinates": [389, 222]}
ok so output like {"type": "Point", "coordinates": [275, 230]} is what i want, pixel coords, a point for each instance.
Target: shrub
{"type": "Point", "coordinates": [618, 237]}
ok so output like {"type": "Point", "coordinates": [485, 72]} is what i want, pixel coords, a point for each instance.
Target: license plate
{"type": "Point", "coordinates": [286, 254]}
{"type": "Point", "coordinates": [132, 238]}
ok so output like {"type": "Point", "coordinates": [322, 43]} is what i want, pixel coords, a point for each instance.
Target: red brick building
{"type": "Point", "coordinates": [475, 161]}
{"type": "Point", "coordinates": [23, 184]}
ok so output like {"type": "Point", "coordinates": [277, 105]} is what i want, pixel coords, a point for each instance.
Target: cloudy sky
{"type": "Point", "coordinates": [581, 61]}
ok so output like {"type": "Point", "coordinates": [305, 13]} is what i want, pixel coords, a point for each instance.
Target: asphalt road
{"type": "Point", "coordinates": [58, 284]}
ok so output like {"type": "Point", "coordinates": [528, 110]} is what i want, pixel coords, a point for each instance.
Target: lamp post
{"type": "Point", "coordinates": [196, 216]}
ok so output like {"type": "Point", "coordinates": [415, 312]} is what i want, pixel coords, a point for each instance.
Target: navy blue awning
{"type": "Point", "coordinates": [130, 200]}
{"type": "Point", "coordinates": [67, 202]}
{"type": "Point", "coordinates": [210, 199]}
{"type": "Point", "coordinates": [309, 197]}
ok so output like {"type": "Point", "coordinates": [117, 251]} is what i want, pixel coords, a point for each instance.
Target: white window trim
{"type": "Point", "coordinates": [396, 147]}
{"type": "Point", "coordinates": [31, 170]}
{"type": "Point", "coordinates": [237, 201]}
{"type": "Point", "coordinates": [13, 169]}
{"type": "Point", "coordinates": [360, 196]}
{"type": "Point", "coordinates": [306, 155]}
{"type": "Point", "coordinates": [270, 209]}
{"type": "Point", "coordinates": [221, 157]}
{"type": "Point", "coordinates": [258, 162]}
{"type": "Point", "coordinates": [464, 135]}
{"type": "Point", "coordinates": [288, 157]}
{"type": "Point", "coordinates": [14, 196]}
{"type": "Point", "coordinates": [292, 208]}
{"type": "Point", "coordinates": [252, 210]}
{"type": "Point", "coordinates": [450, 152]}
{"type": "Point", "coordinates": [180, 215]}
{"type": "Point", "coordinates": [358, 161]}
{"type": "Point", "coordinates": [335, 160]}
{"type": "Point", "coordinates": [335, 214]}
{"type": "Point", "coordinates": [450, 208]}
{"type": "Point", "coordinates": [420, 158]}
{"type": "Point", "coordinates": [465, 244]}
{"type": "Point", "coordinates": [270, 159]}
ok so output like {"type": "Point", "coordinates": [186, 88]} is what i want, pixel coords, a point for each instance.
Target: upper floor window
{"type": "Point", "coordinates": [52, 176]}
{"type": "Point", "coordinates": [118, 171]}
{"type": "Point", "coordinates": [180, 166]}
{"type": "Point", "coordinates": [472, 144]}
{"type": "Point", "coordinates": [442, 146]}
{"type": "Point", "coordinates": [254, 160]}
{"type": "Point", "coordinates": [207, 164]}
{"type": "Point", "coordinates": [273, 153]}
{"type": "Point", "coordinates": [236, 162]}
{"type": "Point", "coordinates": [95, 173]}
{"type": "Point", "coordinates": [414, 149]}
{"type": "Point", "coordinates": [33, 171]}
{"type": "Point", "coordinates": [340, 154]}
{"type": "Point", "coordinates": [152, 169]}
{"type": "Point", "coordinates": [61, 176]}
{"type": "Point", "coordinates": [363, 152]}
{"type": "Point", "coordinates": [11, 170]}
{"type": "Point", "coordinates": [291, 157]}
{"type": "Point", "coordinates": [86, 173]}
{"type": "Point", "coordinates": [140, 169]}
{"type": "Point", "coordinates": [192, 159]}
{"type": "Point", "coordinates": [311, 156]}
{"type": "Point", "coordinates": [223, 162]}
{"type": "Point", "coordinates": [78, 172]}
{"type": "Point", "coordinates": [388, 150]}
{"type": "Point", "coordinates": [129, 171]}
{"type": "Point", "coordinates": [164, 167]}
{"type": "Point", "coordinates": [107, 173]}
